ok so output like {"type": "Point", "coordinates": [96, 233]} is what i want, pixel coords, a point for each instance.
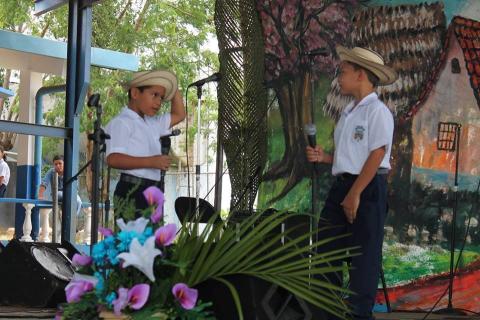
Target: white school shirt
{"type": "Point", "coordinates": [135, 136]}
{"type": "Point", "coordinates": [359, 131]}
{"type": "Point", "coordinates": [4, 172]}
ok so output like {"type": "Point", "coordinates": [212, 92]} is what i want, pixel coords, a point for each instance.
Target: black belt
{"type": "Point", "coordinates": [138, 181]}
{"type": "Point", "coordinates": [347, 176]}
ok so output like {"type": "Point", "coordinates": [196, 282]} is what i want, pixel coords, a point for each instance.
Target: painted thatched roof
{"type": "Point", "coordinates": [410, 38]}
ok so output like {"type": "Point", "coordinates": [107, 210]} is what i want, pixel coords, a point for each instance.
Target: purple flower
{"type": "Point", "coordinates": [121, 302]}
{"type": "Point", "coordinates": [155, 197]}
{"type": "Point", "coordinates": [76, 289]}
{"type": "Point", "coordinates": [80, 260]}
{"type": "Point", "coordinates": [136, 298]}
{"type": "Point", "coordinates": [185, 295]}
{"type": "Point", "coordinates": [164, 236]}
{"type": "Point", "coordinates": [106, 232]}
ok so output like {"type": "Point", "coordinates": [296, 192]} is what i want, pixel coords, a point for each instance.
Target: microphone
{"type": "Point", "coordinates": [311, 131]}
{"type": "Point", "coordinates": [173, 133]}
{"type": "Point", "coordinates": [213, 78]}
{"type": "Point", "coordinates": [316, 52]}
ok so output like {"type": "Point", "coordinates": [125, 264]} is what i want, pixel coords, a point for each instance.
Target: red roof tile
{"type": "Point", "coordinates": [468, 34]}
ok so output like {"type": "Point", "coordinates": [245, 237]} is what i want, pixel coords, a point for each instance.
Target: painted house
{"type": "Point", "coordinates": [452, 96]}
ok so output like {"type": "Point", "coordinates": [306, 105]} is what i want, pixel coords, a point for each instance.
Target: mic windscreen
{"type": "Point", "coordinates": [310, 129]}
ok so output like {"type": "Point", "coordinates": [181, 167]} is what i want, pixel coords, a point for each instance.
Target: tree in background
{"type": "Point", "coordinates": [169, 34]}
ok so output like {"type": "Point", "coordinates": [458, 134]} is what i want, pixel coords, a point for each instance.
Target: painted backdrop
{"type": "Point", "coordinates": [435, 47]}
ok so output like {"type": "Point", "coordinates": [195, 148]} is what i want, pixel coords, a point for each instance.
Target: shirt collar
{"type": "Point", "coordinates": [130, 113]}
{"type": "Point", "coordinates": [365, 101]}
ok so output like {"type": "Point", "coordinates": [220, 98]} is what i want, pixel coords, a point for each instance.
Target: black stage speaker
{"type": "Point", "coordinates": [261, 300]}
{"type": "Point", "coordinates": [35, 274]}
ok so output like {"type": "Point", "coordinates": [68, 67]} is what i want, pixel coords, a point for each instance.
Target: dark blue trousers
{"type": "Point", "coordinates": [366, 232]}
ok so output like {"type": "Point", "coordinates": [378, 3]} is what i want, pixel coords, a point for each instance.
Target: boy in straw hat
{"type": "Point", "coordinates": [357, 201]}
{"type": "Point", "coordinates": [134, 146]}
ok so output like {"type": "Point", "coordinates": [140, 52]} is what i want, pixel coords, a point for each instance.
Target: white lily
{"type": "Point", "coordinates": [141, 257]}
{"type": "Point", "coordinates": [138, 225]}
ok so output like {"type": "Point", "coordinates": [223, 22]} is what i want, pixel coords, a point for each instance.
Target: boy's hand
{"type": "Point", "coordinates": [161, 162]}
{"type": "Point", "coordinates": [315, 154]}
{"type": "Point", "coordinates": [350, 206]}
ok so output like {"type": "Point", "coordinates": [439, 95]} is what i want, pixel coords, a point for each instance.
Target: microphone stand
{"type": "Point", "coordinates": [165, 143]}
{"type": "Point", "coordinates": [197, 166]}
{"type": "Point", "coordinates": [98, 137]}
{"type": "Point", "coordinates": [315, 183]}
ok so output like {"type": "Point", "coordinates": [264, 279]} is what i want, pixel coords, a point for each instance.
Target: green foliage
{"type": "Point", "coordinates": [165, 34]}
{"type": "Point", "coordinates": [217, 252]}
{"type": "Point", "coordinates": [84, 309]}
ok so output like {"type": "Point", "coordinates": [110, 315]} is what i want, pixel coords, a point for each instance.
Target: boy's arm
{"type": "Point", "coordinates": [126, 162]}
{"type": "Point", "coordinates": [352, 200]}
{"type": "Point", "coordinates": [177, 112]}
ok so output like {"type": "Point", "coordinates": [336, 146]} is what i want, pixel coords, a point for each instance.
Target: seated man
{"type": "Point", "coordinates": [45, 191]}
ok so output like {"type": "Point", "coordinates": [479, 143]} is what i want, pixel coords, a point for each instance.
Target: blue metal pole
{"type": "Point", "coordinates": [78, 79]}
{"type": "Point", "coordinates": [37, 170]}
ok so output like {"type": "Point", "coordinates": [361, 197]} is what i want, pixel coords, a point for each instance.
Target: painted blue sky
{"type": "Point", "coordinates": [466, 8]}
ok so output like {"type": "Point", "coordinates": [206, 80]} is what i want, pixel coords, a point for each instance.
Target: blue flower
{"type": "Point", "coordinates": [100, 284]}
{"type": "Point", "coordinates": [110, 298]}
{"type": "Point", "coordinates": [148, 232]}
{"type": "Point", "coordinates": [125, 238]}
{"type": "Point", "coordinates": [112, 256]}
{"type": "Point", "coordinates": [98, 253]}
{"type": "Point", "coordinates": [109, 242]}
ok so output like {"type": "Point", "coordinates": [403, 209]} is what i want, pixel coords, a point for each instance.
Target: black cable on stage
{"type": "Point", "coordinates": [474, 204]}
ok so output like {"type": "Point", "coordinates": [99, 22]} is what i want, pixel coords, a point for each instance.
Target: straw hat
{"type": "Point", "coordinates": [369, 60]}
{"type": "Point", "coordinates": [163, 78]}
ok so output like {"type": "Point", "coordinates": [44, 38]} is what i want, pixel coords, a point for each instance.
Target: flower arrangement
{"type": "Point", "coordinates": [129, 268]}
{"type": "Point", "coordinates": [149, 270]}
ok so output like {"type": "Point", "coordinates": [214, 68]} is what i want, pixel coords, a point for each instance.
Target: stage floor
{"type": "Point", "coordinates": [39, 313]}
{"type": "Point", "coordinates": [415, 316]}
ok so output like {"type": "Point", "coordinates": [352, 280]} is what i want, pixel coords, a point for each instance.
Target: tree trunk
{"type": "Point", "coordinates": [399, 191]}
{"type": "Point", "coordinates": [295, 109]}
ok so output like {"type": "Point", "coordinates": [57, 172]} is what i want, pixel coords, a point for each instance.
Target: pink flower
{"type": "Point", "coordinates": [76, 289]}
{"type": "Point", "coordinates": [80, 260]}
{"type": "Point", "coordinates": [164, 236]}
{"type": "Point", "coordinates": [121, 302]}
{"type": "Point", "coordinates": [106, 232]}
{"type": "Point", "coordinates": [136, 298]}
{"type": "Point", "coordinates": [155, 198]}
{"type": "Point", "coordinates": [185, 295]}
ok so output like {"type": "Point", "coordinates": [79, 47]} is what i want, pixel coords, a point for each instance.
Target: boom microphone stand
{"type": "Point", "coordinates": [449, 140]}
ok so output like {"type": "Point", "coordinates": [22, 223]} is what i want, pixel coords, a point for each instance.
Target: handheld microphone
{"type": "Point", "coordinates": [173, 133]}
{"type": "Point", "coordinates": [311, 132]}
{"type": "Point", "coordinates": [213, 78]}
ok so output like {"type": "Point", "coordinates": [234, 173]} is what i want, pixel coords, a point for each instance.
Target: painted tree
{"type": "Point", "coordinates": [292, 29]}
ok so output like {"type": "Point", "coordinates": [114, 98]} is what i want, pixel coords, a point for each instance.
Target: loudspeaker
{"type": "Point", "coordinates": [35, 274]}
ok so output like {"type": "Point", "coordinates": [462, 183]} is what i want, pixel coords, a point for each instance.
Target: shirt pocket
{"type": "Point", "coordinates": [359, 134]}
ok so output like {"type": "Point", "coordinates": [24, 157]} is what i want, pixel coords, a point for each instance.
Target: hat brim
{"type": "Point", "coordinates": [385, 74]}
{"type": "Point", "coordinates": [163, 78]}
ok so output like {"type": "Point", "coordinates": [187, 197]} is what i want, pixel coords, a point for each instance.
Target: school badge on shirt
{"type": "Point", "coordinates": [358, 134]}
